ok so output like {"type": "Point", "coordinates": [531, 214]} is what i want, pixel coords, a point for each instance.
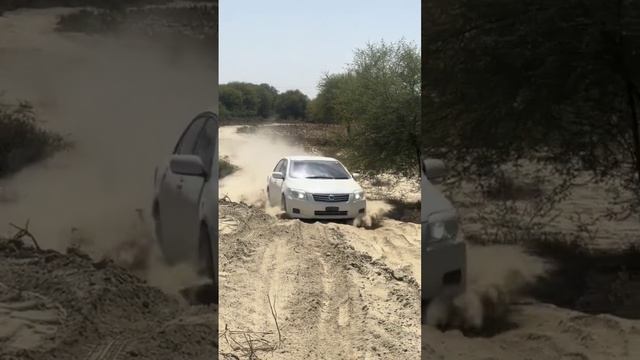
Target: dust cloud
{"type": "Point", "coordinates": [376, 210]}
{"type": "Point", "coordinates": [496, 277]}
{"type": "Point", "coordinates": [123, 101]}
{"type": "Point", "coordinates": [256, 154]}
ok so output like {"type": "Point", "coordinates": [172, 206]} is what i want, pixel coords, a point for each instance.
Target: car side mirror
{"type": "Point", "coordinates": [190, 165]}
{"type": "Point", "coordinates": [434, 169]}
{"type": "Point", "coordinates": [277, 175]}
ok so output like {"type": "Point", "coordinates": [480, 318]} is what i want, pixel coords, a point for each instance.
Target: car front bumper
{"type": "Point", "coordinates": [311, 209]}
{"type": "Point", "coordinates": [444, 266]}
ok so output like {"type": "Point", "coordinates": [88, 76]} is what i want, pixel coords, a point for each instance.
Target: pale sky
{"type": "Point", "coordinates": [290, 44]}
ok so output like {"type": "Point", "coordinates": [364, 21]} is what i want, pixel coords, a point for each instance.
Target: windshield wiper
{"type": "Point", "coordinates": [318, 177]}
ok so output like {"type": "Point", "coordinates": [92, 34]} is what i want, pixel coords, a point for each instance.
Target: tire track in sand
{"type": "Point", "coordinates": [323, 289]}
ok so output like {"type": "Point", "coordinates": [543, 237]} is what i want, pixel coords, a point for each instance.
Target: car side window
{"type": "Point", "coordinates": [187, 142]}
{"type": "Point", "coordinates": [205, 144]}
{"type": "Point", "coordinates": [278, 166]}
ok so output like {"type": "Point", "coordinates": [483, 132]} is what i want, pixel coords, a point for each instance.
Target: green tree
{"type": "Point", "coordinates": [241, 99]}
{"type": "Point", "coordinates": [378, 99]}
{"type": "Point", "coordinates": [553, 82]}
{"type": "Point", "coordinates": [230, 98]}
{"type": "Point", "coordinates": [292, 104]}
{"type": "Point", "coordinates": [267, 99]}
{"type": "Point", "coordinates": [328, 105]}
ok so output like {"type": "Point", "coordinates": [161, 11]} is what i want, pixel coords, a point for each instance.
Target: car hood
{"type": "Point", "coordinates": [433, 201]}
{"type": "Point", "coordinates": [324, 186]}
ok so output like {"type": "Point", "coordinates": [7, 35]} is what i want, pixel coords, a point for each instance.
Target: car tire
{"type": "Point", "coordinates": [159, 235]}
{"type": "Point", "coordinates": [157, 228]}
{"type": "Point", "coordinates": [269, 198]}
{"type": "Point", "coordinates": [205, 259]}
{"type": "Point", "coordinates": [423, 313]}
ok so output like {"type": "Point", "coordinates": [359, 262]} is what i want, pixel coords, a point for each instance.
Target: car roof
{"type": "Point", "coordinates": [309, 157]}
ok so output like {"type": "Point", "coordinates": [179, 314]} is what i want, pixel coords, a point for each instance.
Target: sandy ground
{"type": "Point", "coordinates": [542, 331]}
{"type": "Point", "coordinates": [118, 99]}
{"type": "Point", "coordinates": [501, 321]}
{"type": "Point", "coordinates": [582, 210]}
{"type": "Point", "coordinates": [332, 302]}
{"type": "Point", "coordinates": [510, 325]}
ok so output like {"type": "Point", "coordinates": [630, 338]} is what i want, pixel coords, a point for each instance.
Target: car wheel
{"type": "Point", "coordinates": [283, 203]}
{"type": "Point", "coordinates": [205, 261]}
{"type": "Point", "coordinates": [161, 240]}
{"type": "Point", "coordinates": [157, 226]}
{"type": "Point", "coordinates": [269, 198]}
{"type": "Point", "coordinates": [423, 313]}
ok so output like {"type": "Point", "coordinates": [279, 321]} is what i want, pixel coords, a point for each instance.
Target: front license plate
{"type": "Point", "coordinates": [332, 208]}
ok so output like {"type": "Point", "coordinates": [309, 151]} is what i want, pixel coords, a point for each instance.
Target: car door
{"type": "Point", "coordinates": [171, 193]}
{"type": "Point", "coordinates": [278, 183]}
{"type": "Point", "coordinates": [209, 198]}
{"type": "Point", "coordinates": [188, 200]}
{"type": "Point", "coordinates": [270, 185]}
{"type": "Point", "coordinates": [275, 185]}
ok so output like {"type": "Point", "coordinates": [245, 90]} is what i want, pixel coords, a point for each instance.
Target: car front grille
{"type": "Point", "coordinates": [331, 197]}
{"type": "Point", "coordinates": [330, 213]}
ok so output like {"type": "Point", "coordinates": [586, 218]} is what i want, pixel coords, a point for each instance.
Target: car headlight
{"type": "Point", "coordinates": [442, 226]}
{"type": "Point", "coordinates": [297, 194]}
{"type": "Point", "coordinates": [358, 195]}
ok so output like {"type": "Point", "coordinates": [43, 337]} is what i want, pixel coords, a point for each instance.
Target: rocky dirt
{"type": "Point", "coordinates": [55, 305]}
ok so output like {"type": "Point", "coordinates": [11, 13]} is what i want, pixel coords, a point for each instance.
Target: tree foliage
{"type": "Point", "coordinates": [240, 99]}
{"type": "Point", "coordinates": [553, 82]}
{"type": "Point", "coordinates": [247, 100]}
{"type": "Point", "coordinates": [328, 105]}
{"type": "Point", "coordinates": [7, 5]}
{"type": "Point", "coordinates": [292, 104]}
{"type": "Point", "coordinates": [378, 100]}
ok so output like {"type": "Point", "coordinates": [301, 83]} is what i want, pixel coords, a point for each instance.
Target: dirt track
{"type": "Point", "coordinates": [541, 332]}
{"type": "Point", "coordinates": [341, 291]}
{"type": "Point", "coordinates": [333, 302]}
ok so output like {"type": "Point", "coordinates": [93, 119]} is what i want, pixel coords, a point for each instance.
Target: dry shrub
{"type": "Point", "coordinates": [22, 140]}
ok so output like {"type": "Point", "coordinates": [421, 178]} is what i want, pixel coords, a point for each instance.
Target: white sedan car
{"type": "Point", "coordinates": [315, 187]}
{"type": "Point", "coordinates": [444, 258]}
{"type": "Point", "coordinates": [185, 202]}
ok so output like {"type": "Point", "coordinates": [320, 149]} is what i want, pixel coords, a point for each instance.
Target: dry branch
{"type": "Point", "coordinates": [252, 342]}
{"type": "Point", "coordinates": [274, 313]}
{"type": "Point", "coordinates": [24, 232]}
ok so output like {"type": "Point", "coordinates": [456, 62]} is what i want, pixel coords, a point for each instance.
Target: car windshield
{"type": "Point", "coordinates": [317, 169]}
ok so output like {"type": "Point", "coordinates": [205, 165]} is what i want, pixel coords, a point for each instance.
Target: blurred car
{"type": "Point", "coordinates": [185, 202]}
{"type": "Point", "coordinates": [444, 259]}
{"type": "Point", "coordinates": [315, 187]}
